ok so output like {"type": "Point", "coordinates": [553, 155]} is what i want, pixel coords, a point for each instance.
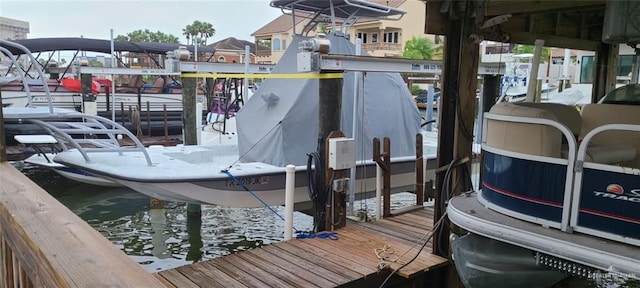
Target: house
{"type": "Point", "coordinates": [385, 38]}
{"type": "Point", "coordinates": [232, 50]}
{"type": "Point", "coordinates": [272, 39]}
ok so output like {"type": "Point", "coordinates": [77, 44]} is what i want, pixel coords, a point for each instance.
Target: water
{"type": "Point", "coordinates": [160, 239]}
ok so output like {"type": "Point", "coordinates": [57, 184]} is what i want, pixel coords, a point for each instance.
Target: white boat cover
{"type": "Point", "coordinates": [388, 111]}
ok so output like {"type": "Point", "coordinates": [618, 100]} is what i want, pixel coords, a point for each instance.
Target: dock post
{"type": "Point", "coordinates": [89, 105]}
{"type": "Point", "coordinates": [3, 145]}
{"type": "Point", "coordinates": [290, 186]}
{"type": "Point", "coordinates": [190, 136]}
{"type": "Point", "coordinates": [457, 105]}
{"type": "Point", "coordinates": [329, 111]}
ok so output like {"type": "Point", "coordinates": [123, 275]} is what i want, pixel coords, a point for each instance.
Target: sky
{"type": "Point", "coordinates": [95, 18]}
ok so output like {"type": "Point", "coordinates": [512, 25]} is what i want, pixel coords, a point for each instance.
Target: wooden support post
{"type": "Point", "coordinates": [605, 71]}
{"type": "Point", "coordinates": [457, 113]}
{"type": "Point", "coordinates": [3, 145]}
{"type": "Point", "coordinates": [329, 112]}
{"type": "Point", "coordinates": [384, 160]}
{"type": "Point", "coordinates": [419, 171]}
{"type": "Point", "coordinates": [190, 130]}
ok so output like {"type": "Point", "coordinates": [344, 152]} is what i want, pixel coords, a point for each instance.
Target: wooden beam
{"type": "Point", "coordinates": [435, 22]}
{"type": "Point", "coordinates": [553, 41]}
{"type": "Point", "coordinates": [500, 7]}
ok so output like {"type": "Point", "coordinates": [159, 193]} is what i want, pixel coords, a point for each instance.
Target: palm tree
{"type": "Point", "coordinates": [207, 31]}
{"type": "Point", "coordinates": [187, 32]}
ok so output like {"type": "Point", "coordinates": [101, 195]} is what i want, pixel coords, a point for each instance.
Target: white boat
{"type": "Point", "coordinates": [163, 91]}
{"type": "Point", "coordinates": [559, 185]}
{"type": "Point", "coordinates": [278, 126]}
{"type": "Point", "coordinates": [516, 79]}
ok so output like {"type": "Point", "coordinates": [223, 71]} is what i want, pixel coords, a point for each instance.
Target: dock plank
{"type": "Point", "coordinates": [177, 279]}
{"type": "Point", "coordinates": [335, 259]}
{"type": "Point", "coordinates": [164, 281]}
{"type": "Point", "coordinates": [290, 278]}
{"type": "Point", "coordinates": [314, 262]}
{"type": "Point", "coordinates": [297, 270]}
{"type": "Point", "coordinates": [231, 267]}
{"type": "Point", "coordinates": [423, 262]}
{"type": "Point", "coordinates": [331, 276]}
{"type": "Point", "coordinates": [319, 260]}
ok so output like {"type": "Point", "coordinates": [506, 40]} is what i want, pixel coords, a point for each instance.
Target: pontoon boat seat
{"type": "Point", "coordinates": [536, 139]}
{"type": "Point", "coordinates": [612, 147]}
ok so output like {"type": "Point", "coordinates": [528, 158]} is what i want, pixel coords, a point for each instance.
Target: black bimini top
{"type": "Point", "coordinates": [342, 8]}
{"type": "Point", "coordinates": [97, 45]}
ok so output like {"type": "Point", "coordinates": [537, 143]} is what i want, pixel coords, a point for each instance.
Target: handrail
{"type": "Point", "coordinates": [40, 73]}
{"type": "Point", "coordinates": [87, 128]}
{"type": "Point", "coordinates": [582, 151]}
{"type": "Point", "coordinates": [24, 79]}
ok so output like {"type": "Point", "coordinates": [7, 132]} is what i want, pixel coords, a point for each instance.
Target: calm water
{"type": "Point", "coordinates": [161, 239]}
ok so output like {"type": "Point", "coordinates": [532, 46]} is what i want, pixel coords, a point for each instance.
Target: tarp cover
{"type": "Point", "coordinates": [388, 111]}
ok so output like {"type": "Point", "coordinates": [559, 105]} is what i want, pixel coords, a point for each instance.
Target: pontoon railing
{"type": "Point", "coordinates": [38, 70]}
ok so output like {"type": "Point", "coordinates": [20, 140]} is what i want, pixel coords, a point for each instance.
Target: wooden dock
{"type": "Point", "coordinates": [349, 261]}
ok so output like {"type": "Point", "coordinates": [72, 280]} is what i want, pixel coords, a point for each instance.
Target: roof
{"type": "Point", "coordinates": [343, 9]}
{"type": "Point", "coordinates": [281, 24]}
{"type": "Point", "coordinates": [96, 45]}
{"type": "Point", "coordinates": [232, 43]}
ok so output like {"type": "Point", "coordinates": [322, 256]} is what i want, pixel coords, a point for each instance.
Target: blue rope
{"type": "Point", "coordinates": [299, 234]}
{"type": "Point", "coordinates": [321, 235]}
{"type": "Point", "coordinates": [234, 178]}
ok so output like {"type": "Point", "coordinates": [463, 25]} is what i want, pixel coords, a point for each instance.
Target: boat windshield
{"type": "Point", "coordinates": [625, 95]}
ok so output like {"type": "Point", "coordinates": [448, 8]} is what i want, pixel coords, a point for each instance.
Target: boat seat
{"type": "Point", "coordinates": [535, 139]}
{"type": "Point", "coordinates": [612, 147]}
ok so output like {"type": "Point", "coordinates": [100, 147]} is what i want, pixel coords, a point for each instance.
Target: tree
{"type": "Point", "coordinates": [529, 49]}
{"type": "Point", "coordinates": [198, 32]}
{"type": "Point", "coordinates": [95, 63]}
{"type": "Point", "coordinates": [147, 36]}
{"type": "Point", "coordinates": [419, 48]}
{"type": "Point", "coordinates": [264, 42]}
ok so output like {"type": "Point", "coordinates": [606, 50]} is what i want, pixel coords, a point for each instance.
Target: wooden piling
{"type": "Point", "coordinates": [189, 114]}
{"type": "Point", "coordinates": [3, 145]}
{"type": "Point", "coordinates": [329, 111]}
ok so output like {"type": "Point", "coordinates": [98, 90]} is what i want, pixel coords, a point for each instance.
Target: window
{"type": "Point", "coordinates": [391, 37]}
{"type": "Point", "coordinates": [374, 37]}
{"type": "Point", "coordinates": [221, 59]}
{"type": "Point", "coordinates": [586, 69]}
{"type": "Point", "coordinates": [276, 44]}
{"type": "Point", "coordinates": [363, 37]}
{"type": "Point", "coordinates": [625, 65]}
{"type": "Point", "coordinates": [284, 44]}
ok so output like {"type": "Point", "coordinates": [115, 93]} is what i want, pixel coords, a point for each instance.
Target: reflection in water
{"type": "Point", "coordinates": [166, 238]}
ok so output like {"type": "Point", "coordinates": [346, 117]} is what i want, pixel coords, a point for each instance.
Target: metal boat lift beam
{"type": "Point", "coordinates": [369, 64]}
{"type": "Point", "coordinates": [201, 67]}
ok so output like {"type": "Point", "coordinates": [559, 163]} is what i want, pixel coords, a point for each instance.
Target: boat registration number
{"type": "Point", "coordinates": [257, 180]}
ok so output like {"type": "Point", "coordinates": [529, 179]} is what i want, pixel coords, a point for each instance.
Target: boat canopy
{"type": "Point", "coordinates": [279, 123]}
{"type": "Point", "coordinates": [342, 8]}
{"type": "Point", "coordinates": [98, 45]}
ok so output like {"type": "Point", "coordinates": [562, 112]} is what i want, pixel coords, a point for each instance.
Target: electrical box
{"type": "Point", "coordinates": [342, 153]}
{"type": "Point", "coordinates": [308, 62]}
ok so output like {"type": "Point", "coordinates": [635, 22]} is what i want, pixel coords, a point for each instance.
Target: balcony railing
{"type": "Point", "coordinates": [382, 46]}
{"type": "Point", "coordinates": [263, 53]}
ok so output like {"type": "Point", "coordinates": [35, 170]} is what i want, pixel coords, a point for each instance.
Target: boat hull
{"type": "Point", "coordinates": [486, 263]}
{"type": "Point", "coordinates": [258, 190]}
{"type": "Point", "coordinates": [74, 174]}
